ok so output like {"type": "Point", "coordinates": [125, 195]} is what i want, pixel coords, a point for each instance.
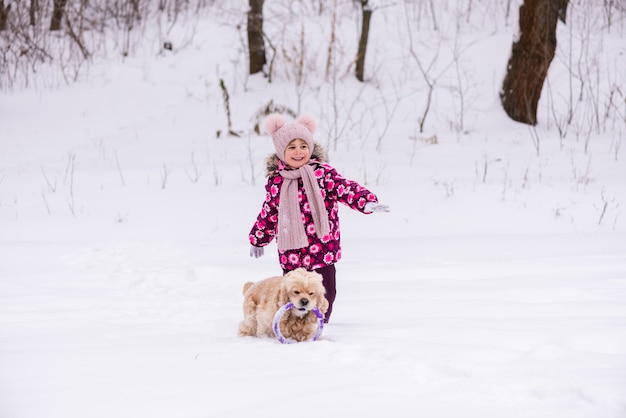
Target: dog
{"type": "Point", "coordinates": [262, 299]}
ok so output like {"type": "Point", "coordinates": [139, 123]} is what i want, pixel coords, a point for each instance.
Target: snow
{"type": "Point", "coordinates": [496, 286]}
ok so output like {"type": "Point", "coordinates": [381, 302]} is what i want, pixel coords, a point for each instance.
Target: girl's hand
{"type": "Point", "coordinates": [256, 252]}
{"type": "Point", "coordinates": [371, 207]}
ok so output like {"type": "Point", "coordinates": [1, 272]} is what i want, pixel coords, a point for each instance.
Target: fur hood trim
{"type": "Point", "coordinates": [271, 163]}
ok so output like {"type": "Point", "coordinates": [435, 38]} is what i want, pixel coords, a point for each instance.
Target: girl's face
{"type": "Point", "coordinates": [297, 153]}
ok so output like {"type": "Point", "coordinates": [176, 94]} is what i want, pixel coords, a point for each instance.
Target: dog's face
{"type": "Point", "coordinates": [305, 290]}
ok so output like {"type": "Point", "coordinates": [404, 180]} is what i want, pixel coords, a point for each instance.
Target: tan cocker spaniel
{"type": "Point", "coordinates": [262, 299]}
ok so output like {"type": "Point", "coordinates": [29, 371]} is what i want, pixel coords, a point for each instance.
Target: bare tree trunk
{"type": "Point", "coordinates": [33, 9]}
{"type": "Point", "coordinates": [4, 15]}
{"type": "Point", "coordinates": [365, 30]}
{"type": "Point", "coordinates": [256, 45]}
{"type": "Point", "coordinates": [530, 58]}
{"type": "Point", "coordinates": [57, 14]}
{"type": "Point", "coordinates": [135, 6]}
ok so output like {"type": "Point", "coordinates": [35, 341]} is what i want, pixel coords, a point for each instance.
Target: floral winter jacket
{"type": "Point", "coordinates": [334, 188]}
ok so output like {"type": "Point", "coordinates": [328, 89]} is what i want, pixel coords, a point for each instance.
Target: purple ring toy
{"type": "Point", "coordinates": [281, 312]}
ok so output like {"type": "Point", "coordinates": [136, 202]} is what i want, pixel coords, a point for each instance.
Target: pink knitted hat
{"type": "Point", "coordinates": [283, 133]}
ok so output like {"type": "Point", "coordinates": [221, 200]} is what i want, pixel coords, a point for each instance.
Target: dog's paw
{"type": "Point", "coordinates": [245, 330]}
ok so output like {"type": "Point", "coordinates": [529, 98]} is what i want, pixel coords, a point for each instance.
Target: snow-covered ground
{"type": "Point", "coordinates": [496, 286]}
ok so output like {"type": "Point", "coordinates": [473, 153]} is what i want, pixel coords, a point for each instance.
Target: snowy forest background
{"type": "Point", "coordinates": [132, 168]}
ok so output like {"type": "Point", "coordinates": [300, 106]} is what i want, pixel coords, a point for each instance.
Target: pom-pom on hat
{"type": "Point", "coordinates": [283, 133]}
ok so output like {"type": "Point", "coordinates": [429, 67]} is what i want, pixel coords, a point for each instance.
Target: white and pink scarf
{"type": "Point", "coordinates": [291, 228]}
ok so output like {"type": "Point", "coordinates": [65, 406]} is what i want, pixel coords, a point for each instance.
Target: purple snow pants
{"type": "Point", "coordinates": [329, 282]}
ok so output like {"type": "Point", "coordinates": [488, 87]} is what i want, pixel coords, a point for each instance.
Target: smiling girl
{"type": "Point", "coordinates": [301, 207]}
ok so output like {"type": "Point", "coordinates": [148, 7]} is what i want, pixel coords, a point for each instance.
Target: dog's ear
{"type": "Point", "coordinates": [324, 305]}
{"type": "Point", "coordinates": [283, 295]}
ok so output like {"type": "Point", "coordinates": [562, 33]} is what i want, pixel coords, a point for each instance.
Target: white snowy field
{"type": "Point", "coordinates": [527, 326]}
{"type": "Point", "coordinates": [496, 286]}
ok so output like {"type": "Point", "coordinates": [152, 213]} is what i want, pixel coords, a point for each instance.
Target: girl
{"type": "Point", "coordinates": [301, 203]}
